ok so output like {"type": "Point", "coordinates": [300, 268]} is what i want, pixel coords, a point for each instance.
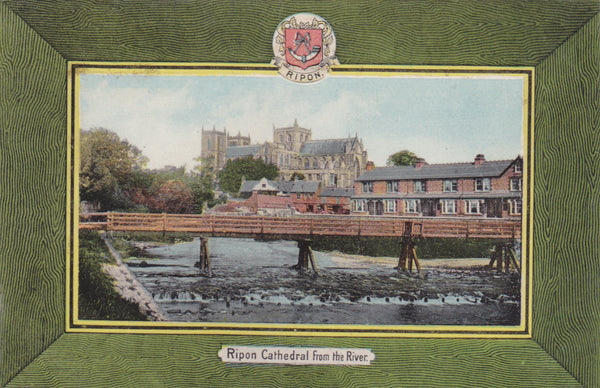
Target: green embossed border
{"type": "Point", "coordinates": [559, 38]}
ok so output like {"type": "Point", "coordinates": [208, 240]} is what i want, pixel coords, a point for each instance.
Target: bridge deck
{"type": "Point", "coordinates": [300, 227]}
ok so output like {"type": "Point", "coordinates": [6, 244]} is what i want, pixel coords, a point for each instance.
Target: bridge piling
{"type": "Point", "coordinates": [305, 257]}
{"type": "Point", "coordinates": [204, 260]}
{"type": "Point", "coordinates": [408, 252]}
{"type": "Point", "coordinates": [503, 255]}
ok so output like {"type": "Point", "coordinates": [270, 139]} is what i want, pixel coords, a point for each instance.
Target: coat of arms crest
{"type": "Point", "coordinates": [304, 48]}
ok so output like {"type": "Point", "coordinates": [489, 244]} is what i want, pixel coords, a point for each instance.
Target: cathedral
{"type": "Point", "coordinates": [332, 162]}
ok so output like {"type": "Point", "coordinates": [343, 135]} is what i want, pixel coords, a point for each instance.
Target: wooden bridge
{"type": "Point", "coordinates": [304, 228]}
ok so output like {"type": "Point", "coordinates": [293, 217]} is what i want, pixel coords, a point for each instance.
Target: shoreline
{"type": "Point", "coordinates": [129, 287]}
{"type": "Point", "coordinates": [362, 261]}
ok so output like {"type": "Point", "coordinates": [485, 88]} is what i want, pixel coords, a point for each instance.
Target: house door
{"type": "Point", "coordinates": [371, 208]}
{"type": "Point", "coordinates": [493, 207]}
{"type": "Point", "coordinates": [428, 208]}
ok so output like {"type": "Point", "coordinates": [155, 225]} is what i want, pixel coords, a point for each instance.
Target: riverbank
{"type": "Point", "coordinates": [129, 287]}
{"type": "Point", "coordinates": [362, 261]}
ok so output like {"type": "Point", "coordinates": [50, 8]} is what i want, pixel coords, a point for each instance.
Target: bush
{"type": "Point", "coordinates": [98, 298]}
{"type": "Point", "coordinates": [156, 237]}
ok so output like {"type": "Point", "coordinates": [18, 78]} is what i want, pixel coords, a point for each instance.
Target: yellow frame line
{"type": "Point", "coordinates": [222, 69]}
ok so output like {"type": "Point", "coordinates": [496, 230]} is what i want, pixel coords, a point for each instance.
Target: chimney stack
{"type": "Point", "coordinates": [479, 159]}
{"type": "Point", "coordinates": [420, 163]}
{"type": "Point", "coordinates": [370, 165]}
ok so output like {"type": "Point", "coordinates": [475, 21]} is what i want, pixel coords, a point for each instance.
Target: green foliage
{"type": "Point", "coordinates": [173, 196]}
{"type": "Point", "coordinates": [431, 248]}
{"type": "Point", "coordinates": [297, 176]}
{"type": "Point", "coordinates": [402, 158]}
{"type": "Point", "coordinates": [98, 298]}
{"type": "Point", "coordinates": [113, 175]}
{"type": "Point", "coordinates": [107, 167]}
{"type": "Point", "coordinates": [155, 237]}
{"type": "Point", "coordinates": [230, 177]}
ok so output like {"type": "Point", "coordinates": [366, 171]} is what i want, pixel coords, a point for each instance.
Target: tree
{"type": "Point", "coordinates": [230, 177]}
{"type": "Point", "coordinates": [402, 158]}
{"type": "Point", "coordinates": [107, 167]}
{"type": "Point", "coordinates": [297, 176]}
{"type": "Point", "coordinates": [173, 196]}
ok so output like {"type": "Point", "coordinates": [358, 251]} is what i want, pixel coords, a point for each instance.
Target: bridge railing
{"type": "Point", "coordinates": [445, 227]}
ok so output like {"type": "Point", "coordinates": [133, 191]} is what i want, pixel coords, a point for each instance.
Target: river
{"type": "Point", "coordinates": [251, 281]}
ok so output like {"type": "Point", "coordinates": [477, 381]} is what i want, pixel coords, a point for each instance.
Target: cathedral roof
{"type": "Point", "coordinates": [234, 152]}
{"type": "Point", "coordinates": [327, 146]}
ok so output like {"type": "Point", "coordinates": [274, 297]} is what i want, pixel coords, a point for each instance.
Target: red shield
{"type": "Point", "coordinates": [303, 47]}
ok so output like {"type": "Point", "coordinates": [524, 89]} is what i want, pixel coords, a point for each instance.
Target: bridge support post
{"type": "Point", "coordinates": [408, 256]}
{"type": "Point", "coordinates": [408, 252]}
{"type": "Point", "coordinates": [503, 255]}
{"type": "Point", "coordinates": [204, 263]}
{"type": "Point", "coordinates": [305, 257]}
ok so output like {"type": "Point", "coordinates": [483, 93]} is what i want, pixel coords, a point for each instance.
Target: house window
{"type": "Point", "coordinates": [517, 167]}
{"type": "Point", "coordinates": [298, 196]}
{"type": "Point", "coordinates": [448, 206]}
{"type": "Point", "coordinates": [516, 206]}
{"type": "Point", "coordinates": [333, 180]}
{"type": "Point", "coordinates": [420, 187]}
{"type": "Point", "coordinates": [392, 186]}
{"type": "Point", "coordinates": [450, 185]}
{"type": "Point", "coordinates": [515, 184]}
{"type": "Point", "coordinates": [337, 200]}
{"type": "Point", "coordinates": [359, 205]}
{"type": "Point", "coordinates": [367, 187]}
{"type": "Point", "coordinates": [390, 205]}
{"type": "Point", "coordinates": [315, 163]}
{"type": "Point", "coordinates": [412, 206]}
{"type": "Point", "coordinates": [483, 184]}
{"type": "Point", "coordinates": [473, 206]}
{"type": "Point", "coordinates": [306, 163]}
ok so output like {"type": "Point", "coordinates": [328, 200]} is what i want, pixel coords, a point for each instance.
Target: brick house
{"type": "Point", "coordinates": [306, 196]}
{"type": "Point", "coordinates": [479, 188]}
{"type": "Point", "coordinates": [335, 200]}
{"type": "Point", "coordinates": [302, 194]}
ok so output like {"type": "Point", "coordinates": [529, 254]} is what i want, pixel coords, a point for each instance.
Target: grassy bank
{"type": "Point", "coordinates": [122, 241]}
{"type": "Point", "coordinates": [98, 298]}
{"type": "Point", "coordinates": [431, 248]}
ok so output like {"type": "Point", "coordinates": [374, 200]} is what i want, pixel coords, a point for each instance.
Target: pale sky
{"type": "Point", "coordinates": [443, 120]}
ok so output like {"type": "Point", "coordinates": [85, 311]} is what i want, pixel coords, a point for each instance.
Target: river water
{"type": "Point", "coordinates": [251, 281]}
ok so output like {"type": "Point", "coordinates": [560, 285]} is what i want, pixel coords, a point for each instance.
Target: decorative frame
{"type": "Point", "coordinates": [559, 39]}
{"type": "Point", "coordinates": [76, 325]}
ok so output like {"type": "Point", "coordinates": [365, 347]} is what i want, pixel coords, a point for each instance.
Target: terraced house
{"type": "Point", "coordinates": [480, 188]}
